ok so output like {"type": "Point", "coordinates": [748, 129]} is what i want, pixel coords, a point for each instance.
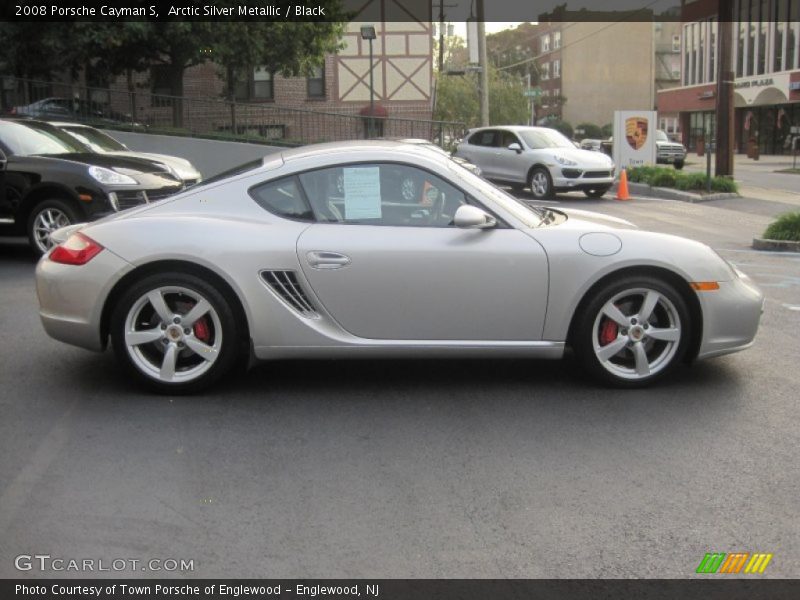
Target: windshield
{"type": "Point", "coordinates": [539, 138]}
{"type": "Point", "coordinates": [661, 136]}
{"type": "Point", "coordinates": [26, 139]}
{"type": "Point", "coordinates": [95, 139]}
{"type": "Point", "coordinates": [532, 216]}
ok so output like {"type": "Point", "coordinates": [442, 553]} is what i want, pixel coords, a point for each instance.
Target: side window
{"type": "Point", "coordinates": [483, 138]}
{"type": "Point", "coordinates": [283, 198]}
{"type": "Point", "coordinates": [508, 139]}
{"type": "Point", "coordinates": [385, 194]}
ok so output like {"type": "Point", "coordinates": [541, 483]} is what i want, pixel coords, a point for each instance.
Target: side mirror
{"type": "Point", "coordinates": [515, 147]}
{"type": "Point", "coordinates": [472, 217]}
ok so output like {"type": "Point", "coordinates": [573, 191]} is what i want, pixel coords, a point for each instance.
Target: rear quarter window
{"type": "Point", "coordinates": [283, 198]}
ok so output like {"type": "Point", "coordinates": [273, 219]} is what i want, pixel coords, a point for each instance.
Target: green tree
{"type": "Point", "coordinates": [457, 99]}
{"type": "Point", "coordinates": [590, 130]}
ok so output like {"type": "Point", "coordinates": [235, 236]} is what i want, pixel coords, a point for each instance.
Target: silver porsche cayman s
{"type": "Point", "coordinates": [322, 252]}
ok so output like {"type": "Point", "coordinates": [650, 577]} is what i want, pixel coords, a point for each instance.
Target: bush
{"type": "Point", "coordinates": [787, 227]}
{"type": "Point", "coordinates": [691, 181]}
{"type": "Point", "coordinates": [590, 130]}
{"type": "Point", "coordinates": [663, 178]}
{"type": "Point", "coordinates": [641, 174]}
{"type": "Point", "coordinates": [721, 183]}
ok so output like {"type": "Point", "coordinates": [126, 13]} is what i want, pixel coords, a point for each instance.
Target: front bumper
{"type": "Point", "coordinates": [730, 317]}
{"type": "Point", "coordinates": [566, 179]}
{"type": "Point", "coordinates": [71, 298]}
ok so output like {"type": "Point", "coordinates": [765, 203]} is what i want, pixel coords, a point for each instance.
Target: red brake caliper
{"type": "Point", "coordinates": [608, 332]}
{"type": "Point", "coordinates": [201, 330]}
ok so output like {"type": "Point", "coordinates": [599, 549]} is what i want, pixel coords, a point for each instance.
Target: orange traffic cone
{"type": "Point", "coordinates": [622, 189]}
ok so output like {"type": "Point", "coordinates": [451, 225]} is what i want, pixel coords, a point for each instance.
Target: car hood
{"type": "Point", "coordinates": [183, 167]}
{"type": "Point", "coordinates": [584, 158]}
{"type": "Point", "coordinates": [122, 164]}
{"type": "Point", "coordinates": [591, 220]}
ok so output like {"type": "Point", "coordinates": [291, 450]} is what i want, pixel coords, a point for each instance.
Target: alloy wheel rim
{"type": "Point", "coordinates": [45, 223]}
{"type": "Point", "coordinates": [173, 334]}
{"type": "Point", "coordinates": [539, 184]}
{"type": "Point", "coordinates": [636, 333]}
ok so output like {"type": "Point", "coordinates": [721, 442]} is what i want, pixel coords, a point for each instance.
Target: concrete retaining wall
{"type": "Point", "coordinates": [209, 156]}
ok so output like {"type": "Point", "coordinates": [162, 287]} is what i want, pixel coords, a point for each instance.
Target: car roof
{"type": "Point", "coordinates": [68, 124]}
{"type": "Point", "coordinates": [355, 147]}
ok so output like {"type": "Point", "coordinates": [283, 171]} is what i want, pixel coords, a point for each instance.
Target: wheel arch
{"type": "Point", "coordinates": [535, 165]}
{"type": "Point", "coordinates": [48, 191]}
{"type": "Point", "coordinates": [183, 266]}
{"type": "Point", "coordinates": [680, 284]}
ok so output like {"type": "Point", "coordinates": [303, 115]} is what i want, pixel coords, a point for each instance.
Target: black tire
{"type": "Point", "coordinates": [597, 192]}
{"type": "Point", "coordinates": [620, 369]}
{"type": "Point", "coordinates": [136, 361]}
{"type": "Point", "coordinates": [678, 164]}
{"type": "Point", "coordinates": [545, 191]}
{"type": "Point", "coordinates": [42, 213]}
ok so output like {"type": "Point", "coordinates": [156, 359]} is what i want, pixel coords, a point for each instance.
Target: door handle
{"type": "Point", "coordinates": [324, 259]}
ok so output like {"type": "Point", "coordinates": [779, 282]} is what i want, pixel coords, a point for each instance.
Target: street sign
{"type": "Point", "coordinates": [532, 92]}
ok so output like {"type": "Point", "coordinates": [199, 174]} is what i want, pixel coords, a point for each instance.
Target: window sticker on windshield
{"type": "Point", "coordinates": [362, 193]}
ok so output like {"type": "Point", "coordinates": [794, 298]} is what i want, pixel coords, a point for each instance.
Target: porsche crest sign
{"type": "Point", "coordinates": [636, 133]}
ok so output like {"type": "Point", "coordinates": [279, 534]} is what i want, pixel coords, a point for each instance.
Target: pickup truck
{"type": "Point", "coordinates": [667, 152]}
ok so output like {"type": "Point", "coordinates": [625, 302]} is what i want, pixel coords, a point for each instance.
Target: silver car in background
{"type": "Point", "coordinates": [315, 252]}
{"type": "Point", "coordinates": [539, 158]}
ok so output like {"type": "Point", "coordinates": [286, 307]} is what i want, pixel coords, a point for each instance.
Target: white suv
{"type": "Point", "coordinates": [537, 157]}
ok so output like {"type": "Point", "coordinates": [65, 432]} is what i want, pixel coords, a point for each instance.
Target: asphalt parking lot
{"type": "Point", "coordinates": [411, 468]}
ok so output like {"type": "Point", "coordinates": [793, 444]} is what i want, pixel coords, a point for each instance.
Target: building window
{"type": "Point", "coordinates": [557, 40]}
{"type": "Point", "coordinates": [316, 83]}
{"type": "Point", "coordinates": [556, 68]}
{"type": "Point", "coordinates": [545, 71]}
{"type": "Point", "coordinates": [546, 43]}
{"type": "Point", "coordinates": [257, 86]}
{"type": "Point", "coordinates": [676, 43]}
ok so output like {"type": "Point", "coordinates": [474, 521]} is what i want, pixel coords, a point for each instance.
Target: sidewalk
{"type": "Point", "coordinates": [758, 178]}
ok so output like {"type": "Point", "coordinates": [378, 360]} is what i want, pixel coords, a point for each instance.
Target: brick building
{"type": "Point", "coordinates": [766, 55]}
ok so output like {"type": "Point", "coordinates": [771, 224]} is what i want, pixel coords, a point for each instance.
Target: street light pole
{"type": "Point", "coordinates": [725, 76]}
{"type": "Point", "coordinates": [368, 33]}
{"type": "Point", "coordinates": [483, 74]}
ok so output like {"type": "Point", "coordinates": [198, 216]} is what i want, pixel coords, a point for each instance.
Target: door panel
{"type": "Point", "coordinates": [428, 283]}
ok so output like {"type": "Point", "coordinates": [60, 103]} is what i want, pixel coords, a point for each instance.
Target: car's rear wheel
{"type": "Point", "coordinates": [45, 218]}
{"type": "Point", "coordinates": [541, 183]}
{"type": "Point", "coordinates": [597, 192]}
{"type": "Point", "coordinates": [633, 331]}
{"type": "Point", "coordinates": [175, 332]}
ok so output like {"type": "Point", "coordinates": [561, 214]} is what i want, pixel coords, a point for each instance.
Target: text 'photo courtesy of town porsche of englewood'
{"type": "Point", "coordinates": [400, 299]}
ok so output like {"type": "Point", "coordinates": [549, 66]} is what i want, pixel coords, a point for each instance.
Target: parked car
{"type": "Point", "coordinates": [71, 109]}
{"type": "Point", "coordinates": [49, 180]}
{"type": "Point", "coordinates": [100, 141]}
{"type": "Point", "coordinates": [537, 157]}
{"type": "Point", "coordinates": [590, 144]}
{"type": "Point", "coordinates": [430, 145]}
{"type": "Point", "coordinates": [669, 152]}
{"type": "Point", "coordinates": [273, 260]}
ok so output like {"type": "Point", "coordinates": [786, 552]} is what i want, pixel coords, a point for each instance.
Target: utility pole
{"type": "Point", "coordinates": [483, 74]}
{"type": "Point", "coordinates": [725, 76]}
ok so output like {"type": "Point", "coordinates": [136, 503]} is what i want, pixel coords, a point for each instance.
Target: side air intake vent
{"type": "Point", "coordinates": [285, 284]}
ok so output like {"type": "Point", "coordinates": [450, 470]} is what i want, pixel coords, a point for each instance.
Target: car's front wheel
{"type": "Point", "coordinates": [633, 331]}
{"type": "Point", "coordinates": [44, 219]}
{"type": "Point", "coordinates": [597, 192]}
{"type": "Point", "coordinates": [678, 164]}
{"type": "Point", "coordinates": [175, 332]}
{"type": "Point", "coordinates": [541, 183]}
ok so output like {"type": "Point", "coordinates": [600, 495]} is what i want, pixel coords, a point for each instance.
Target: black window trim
{"type": "Point", "coordinates": [296, 178]}
{"type": "Point", "coordinates": [321, 78]}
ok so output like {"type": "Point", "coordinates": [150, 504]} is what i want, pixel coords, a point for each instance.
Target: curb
{"type": "Point", "coordinates": [642, 189]}
{"type": "Point", "coordinates": [776, 245]}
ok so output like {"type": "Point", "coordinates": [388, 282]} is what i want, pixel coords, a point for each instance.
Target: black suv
{"type": "Point", "coordinates": [49, 180]}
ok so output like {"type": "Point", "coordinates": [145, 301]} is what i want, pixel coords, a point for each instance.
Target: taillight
{"type": "Point", "coordinates": [77, 250]}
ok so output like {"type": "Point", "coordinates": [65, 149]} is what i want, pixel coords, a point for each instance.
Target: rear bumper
{"type": "Point", "coordinates": [731, 316]}
{"type": "Point", "coordinates": [71, 298]}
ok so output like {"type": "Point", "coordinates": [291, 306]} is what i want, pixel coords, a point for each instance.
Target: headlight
{"type": "Point", "coordinates": [109, 177]}
{"type": "Point", "coordinates": [564, 161]}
